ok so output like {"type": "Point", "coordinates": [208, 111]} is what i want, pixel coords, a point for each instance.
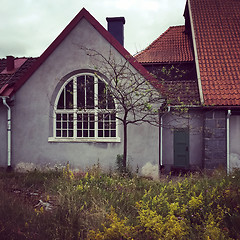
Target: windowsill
{"type": "Point", "coordinates": [85, 140]}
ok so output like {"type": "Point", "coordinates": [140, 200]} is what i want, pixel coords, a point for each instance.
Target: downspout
{"type": "Point", "coordinates": [9, 133]}
{"type": "Point", "coordinates": [228, 141]}
{"type": "Point", "coordinates": [161, 136]}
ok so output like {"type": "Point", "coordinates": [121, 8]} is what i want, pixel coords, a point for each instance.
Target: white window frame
{"type": "Point", "coordinates": [95, 111]}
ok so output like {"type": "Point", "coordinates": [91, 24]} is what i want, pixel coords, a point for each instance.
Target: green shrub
{"type": "Point", "coordinates": [92, 204]}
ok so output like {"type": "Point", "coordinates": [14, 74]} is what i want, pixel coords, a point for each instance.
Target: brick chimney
{"type": "Point", "coordinates": [10, 63]}
{"type": "Point", "coordinates": [116, 27]}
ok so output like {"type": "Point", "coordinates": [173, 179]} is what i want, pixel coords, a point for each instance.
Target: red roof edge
{"type": "Point", "coordinates": [3, 88]}
{"type": "Point", "coordinates": [84, 13]}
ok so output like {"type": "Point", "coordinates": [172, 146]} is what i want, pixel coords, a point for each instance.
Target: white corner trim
{"type": "Point", "coordinates": [228, 141]}
{"type": "Point", "coordinates": [84, 140]}
{"type": "Point", "coordinates": [196, 55]}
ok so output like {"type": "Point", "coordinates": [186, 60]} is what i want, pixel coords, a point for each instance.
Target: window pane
{"type": "Point", "coordinates": [101, 95]}
{"type": "Point", "coordinates": [113, 116]}
{"type": "Point", "coordinates": [58, 125]}
{"type": "Point", "coordinates": [113, 133]}
{"type": "Point", "coordinates": [85, 133]}
{"type": "Point", "coordinates": [85, 121]}
{"type": "Point", "coordinates": [106, 133]}
{"type": "Point", "coordinates": [100, 125]}
{"type": "Point", "coordinates": [64, 133]}
{"type": "Point", "coordinates": [64, 125]}
{"type": "Point", "coordinates": [58, 116]}
{"type": "Point", "coordinates": [91, 125]}
{"type": "Point", "coordinates": [79, 117]}
{"type": "Point", "coordinates": [79, 121]}
{"type": "Point", "coordinates": [106, 125]}
{"type": "Point", "coordinates": [91, 133]}
{"type": "Point", "coordinates": [91, 121]}
{"type": "Point", "coordinates": [110, 102]}
{"type": "Point", "coordinates": [81, 92]}
{"type": "Point", "coordinates": [79, 133]}
{"type": "Point", "coordinates": [70, 125]}
{"type": "Point", "coordinates": [60, 104]}
{"type": "Point", "coordinates": [69, 95]}
{"type": "Point", "coordinates": [100, 133]}
{"type": "Point", "coordinates": [64, 116]}
{"type": "Point", "coordinates": [90, 92]}
{"type": "Point", "coordinates": [70, 133]}
{"type": "Point", "coordinates": [58, 133]}
{"type": "Point", "coordinates": [113, 125]}
{"type": "Point", "coordinates": [100, 121]}
{"type": "Point", "coordinates": [79, 125]}
{"type": "Point", "coordinates": [106, 116]}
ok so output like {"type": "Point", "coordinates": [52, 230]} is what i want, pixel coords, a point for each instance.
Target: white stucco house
{"type": "Point", "coordinates": [42, 99]}
{"type": "Point", "coordinates": [49, 111]}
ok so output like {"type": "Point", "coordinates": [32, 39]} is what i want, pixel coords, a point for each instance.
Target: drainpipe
{"type": "Point", "coordinates": [161, 135]}
{"type": "Point", "coordinates": [228, 141]}
{"type": "Point", "coordinates": [9, 133]}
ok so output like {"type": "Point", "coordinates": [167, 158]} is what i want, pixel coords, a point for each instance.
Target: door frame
{"type": "Point", "coordinates": [185, 132]}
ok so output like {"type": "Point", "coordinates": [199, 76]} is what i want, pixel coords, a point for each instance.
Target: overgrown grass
{"type": "Point", "coordinates": [96, 205]}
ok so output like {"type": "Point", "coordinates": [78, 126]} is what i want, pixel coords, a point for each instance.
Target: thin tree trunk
{"type": "Point", "coordinates": [124, 147]}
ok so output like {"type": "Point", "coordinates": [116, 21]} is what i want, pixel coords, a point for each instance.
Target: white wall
{"type": "Point", "coordinates": [234, 141]}
{"type": "Point", "coordinates": [32, 110]}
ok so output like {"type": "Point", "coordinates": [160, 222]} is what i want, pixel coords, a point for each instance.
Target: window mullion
{"type": "Point", "coordinates": [96, 106]}
{"type": "Point", "coordinates": [85, 91]}
{"type": "Point", "coordinates": [64, 98]}
{"type": "Point", "coordinates": [75, 107]}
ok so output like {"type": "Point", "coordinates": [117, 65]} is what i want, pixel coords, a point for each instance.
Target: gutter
{"type": "Point", "coordinates": [9, 133]}
{"type": "Point", "coordinates": [161, 137]}
{"type": "Point", "coordinates": [196, 54]}
{"type": "Point", "coordinates": [228, 141]}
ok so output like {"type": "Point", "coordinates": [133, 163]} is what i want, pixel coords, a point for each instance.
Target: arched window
{"type": "Point", "coordinates": [84, 110]}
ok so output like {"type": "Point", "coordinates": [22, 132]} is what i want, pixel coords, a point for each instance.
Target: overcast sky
{"type": "Point", "coordinates": [28, 27]}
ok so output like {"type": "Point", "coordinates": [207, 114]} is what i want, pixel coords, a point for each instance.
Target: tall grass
{"type": "Point", "coordinates": [96, 205]}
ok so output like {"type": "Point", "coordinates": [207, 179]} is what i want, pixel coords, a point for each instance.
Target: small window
{"type": "Point", "coordinates": [85, 110]}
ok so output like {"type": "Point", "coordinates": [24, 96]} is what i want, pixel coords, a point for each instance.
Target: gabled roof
{"type": "Point", "coordinates": [216, 26]}
{"type": "Point", "coordinates": [8, 79]}
{"type": "Point", "coordinates": [174, 45]}
{"type": "Point", "coordinates": [84, 14]}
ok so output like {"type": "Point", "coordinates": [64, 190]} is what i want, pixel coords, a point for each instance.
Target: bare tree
{"type": "Point", "coordinates": [136, 100]}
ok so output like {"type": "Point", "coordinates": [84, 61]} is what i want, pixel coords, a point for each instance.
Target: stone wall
{"type": "Point", "coordinates": [215, 148]}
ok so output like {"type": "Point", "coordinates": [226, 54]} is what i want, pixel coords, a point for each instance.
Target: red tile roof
{"type": "Point", "coordinates": [8, 79]}
{"type": "Point", "coordinates": [216, 26]}
{"type": "Point", "coordinates": [182, 92]}
{"type": "Point", "coordinates": [172, 46]}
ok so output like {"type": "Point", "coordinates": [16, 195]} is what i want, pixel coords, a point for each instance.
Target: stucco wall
{"type": "Point", "coordinates": [3, 135]}
{"type": "Point", "coordinates": [192, 121]}
{"type": "Point", "coordinates": [235, 141]}
{"type": "Point", "coordinates": [32, 111]}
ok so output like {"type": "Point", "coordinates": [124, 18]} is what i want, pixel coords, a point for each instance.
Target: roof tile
{"type": "Point", "coordinates": [11, 79]}
{"type": "Point", "coordinates": [171, 46]}
{"type": "Point", "coordinates": [217, 32]}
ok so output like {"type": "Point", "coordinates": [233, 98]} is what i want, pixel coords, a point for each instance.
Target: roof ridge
{"type": "Point", "coordinates": [102, 31]}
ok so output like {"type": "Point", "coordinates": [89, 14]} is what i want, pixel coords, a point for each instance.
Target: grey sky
{"type": "Point", "coordinates": [29, 26]}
